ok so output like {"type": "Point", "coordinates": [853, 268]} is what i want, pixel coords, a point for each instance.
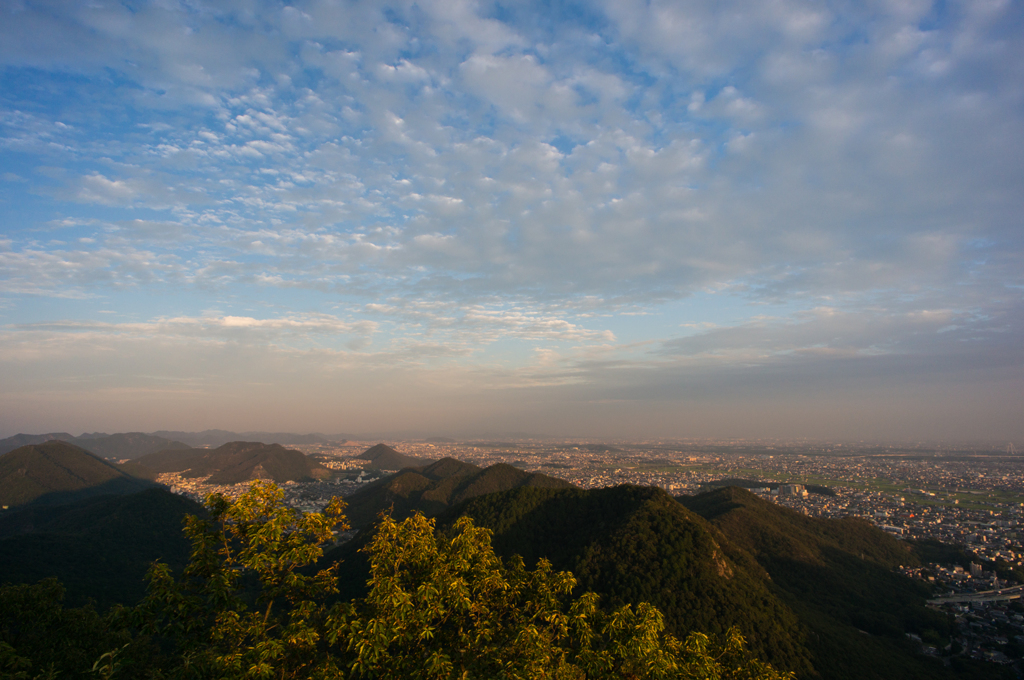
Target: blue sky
{"type": "Point", "coordinates": [605, 219]}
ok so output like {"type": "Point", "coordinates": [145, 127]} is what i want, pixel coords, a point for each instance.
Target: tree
{"type": "Point", "coordinates": [445, 606]}
{"type": "Point", "coordinates": [41, 639]}
{"type": "Point", "coordinates": [439, 606]}
{"type": "Point", "coordinates": [244, 606]}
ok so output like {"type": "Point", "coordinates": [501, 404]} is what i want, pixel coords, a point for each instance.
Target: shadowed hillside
{"type": "Point", "coordinates": [837, 575]}
{"type": "Point", "coordinates": [237, 462]}
{"type": "Point", "coordinates": [99, 548]}
{"type": "Point", "coordinates": [59, 472]}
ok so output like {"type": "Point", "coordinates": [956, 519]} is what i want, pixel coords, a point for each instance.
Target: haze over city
{"type": "Point", "coordinates": [607, 219]}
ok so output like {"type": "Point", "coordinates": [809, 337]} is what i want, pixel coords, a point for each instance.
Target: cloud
{"type": "Point", "coordinates": [486, 192]}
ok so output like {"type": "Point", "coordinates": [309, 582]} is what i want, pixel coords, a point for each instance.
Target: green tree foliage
{"type": "Point", "coordinates": [445, 606]}
{"type": "Point", "coordinates": [439, 605]}
{"type": "Point", "coordinates": [637, 544]}
{"type": "Point", "coordinates": [244, 606]}
{"type": "Point", "coordinates": [41, 639]}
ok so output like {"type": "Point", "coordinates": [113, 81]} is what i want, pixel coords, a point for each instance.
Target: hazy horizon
{"type": "Point", "coordinates": [619, 220]}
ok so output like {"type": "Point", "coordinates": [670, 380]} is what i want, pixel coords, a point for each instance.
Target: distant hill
{"type": "Point", "coordinates": [220, 437]}
{"type": "Point", "coordinates": [100, 548]}
{"type": "Point", "coordinates": [837, 575]}
{"type": "Point", "coordinates": [434, 488]}
{"type": "Point", "coordinates": [19, 440]}
{"type": "Point", "coordinates": [383, 457]}
{"type": "Point", "coordinates": [126, 445]}
{"type": "Point", "coordinates": [237, 462]}
{"type": "Point", "coordinates": [59, 472]}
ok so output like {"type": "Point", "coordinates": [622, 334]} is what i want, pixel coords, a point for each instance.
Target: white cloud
{"type": "Point", "coordinates": [384, 158]}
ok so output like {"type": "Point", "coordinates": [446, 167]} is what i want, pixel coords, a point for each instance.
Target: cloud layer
{"type": "Point", "coordinates": [626, 210]}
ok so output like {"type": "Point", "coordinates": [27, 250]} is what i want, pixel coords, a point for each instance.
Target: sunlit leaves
{"type": "Point", "coordinates": [440, 606]}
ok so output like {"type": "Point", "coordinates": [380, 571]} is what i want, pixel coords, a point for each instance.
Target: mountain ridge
{"type": "Point", "coordinates": [838, 576]}
{"type": "Point", "coordinates": [236, 462]}
{"type": "Point", "coordinates": [636, 544]}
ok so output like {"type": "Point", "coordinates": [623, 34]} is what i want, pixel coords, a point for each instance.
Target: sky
{"type": "Point", "coordinates": [782, 219]}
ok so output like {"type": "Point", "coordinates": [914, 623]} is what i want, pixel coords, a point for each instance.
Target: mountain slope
{"type": "Point", "coordinates": [838, 576]}
{"type": "Point", "coordinates": [636, 544]}
{"type": "Point", "coordinates": [100, 548]}
{"type": "Point", "coordinates": [383, 457]}
{"type": "Point", "coordinates": [237, 462]}
{"type": "Point", "coordinates": [434, 488]}
{"type": "Point", "coordinates": [59, 472]}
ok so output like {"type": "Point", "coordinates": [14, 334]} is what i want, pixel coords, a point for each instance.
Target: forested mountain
{"type": "Point", "coordinates": [434, 488]}
{"type": "Point", "coordinates": [59, 472]}
{"type": "Point", "coordinates": [812, 595]}
{"type": "Point", "coordinates": [838, 576]}
{"type": "Point", "coordinates": [100, 548]}
{"type": "Point", "coordinates": [383, 457]}
{"type": "Point", "coordinates": [637, 544]}
{"type": "Point", "coordinates": [236, 462]}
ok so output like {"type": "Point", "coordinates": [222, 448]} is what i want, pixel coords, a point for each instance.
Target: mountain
{"type": "Point", "coordinates": [92, 435]}
{"type": "Point", "coordinates": [637, 544]}
{"type": "Point", "coordinates": [838, 576]}
{"type": "Point", "coordinates": [220, 437]}
{"type": "Point", "coordinates": [126, 445]}
{"type": "Point", "coordinates": [19, 440]}
{"type": "Point", "coordinates": [237, 462]}
{"type": "Point", "coordinates": [59, 472]}
{"type": "Point", "coordinates": [432, 489]}
{"type": "Point", "coordinates": [383, 457]}
{"type": "Point", "coordinates": [100, 548]}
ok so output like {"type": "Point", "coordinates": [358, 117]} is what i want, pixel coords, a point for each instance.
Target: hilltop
{"type": "Point", "coordinates": [58, 472]}
{"type": "Point", "coordinates": [434, 488]}
{"type": "Point", "coordinates": [237, 462]}
{"type": "Point", "coordinates": [383, 457]}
